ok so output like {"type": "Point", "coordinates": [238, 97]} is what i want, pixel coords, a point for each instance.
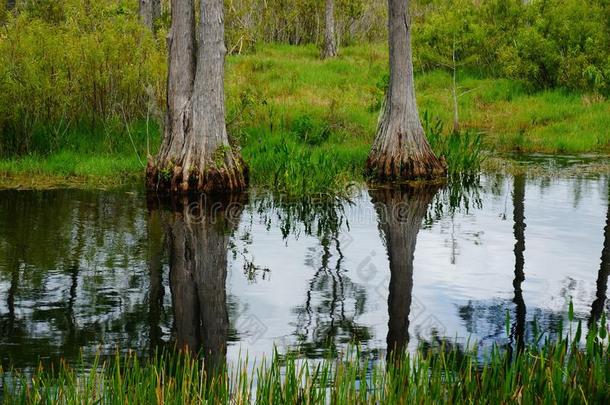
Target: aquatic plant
{"type": "Point", "coordinates": [545, 371]}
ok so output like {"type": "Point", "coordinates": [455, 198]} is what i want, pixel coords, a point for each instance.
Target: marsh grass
{"type": "Point", "coordinates": [546, 371]}
{"type": "Point", "coordinates": [306, 125]}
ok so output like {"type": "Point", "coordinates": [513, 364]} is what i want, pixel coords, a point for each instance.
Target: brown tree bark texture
{"type": "Point", "coordinates": [149, 11]}
{"type": "Point", "coordinates": [400, 150]}
{"type": "Point", "coordinates": [330, 39]}
{"type": "Point", "coordinates": [195, 154]}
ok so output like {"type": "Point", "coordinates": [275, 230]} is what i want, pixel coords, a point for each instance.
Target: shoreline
{"type": "Point", "coordinates": [535, 164]}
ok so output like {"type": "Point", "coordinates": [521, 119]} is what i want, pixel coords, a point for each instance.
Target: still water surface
{"type": "Point", "coordinates": [93, 271]}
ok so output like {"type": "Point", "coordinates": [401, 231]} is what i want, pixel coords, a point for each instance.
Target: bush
{"type": "Point", "coordinates": [547, 43]}
{"type": "Point", "coordinates": [309, 131]}
{"type": "Point", "coordinates": [66, 66]}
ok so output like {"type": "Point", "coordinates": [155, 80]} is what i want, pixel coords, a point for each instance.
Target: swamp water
{"type": "Point", "coordinates": [95, 271]}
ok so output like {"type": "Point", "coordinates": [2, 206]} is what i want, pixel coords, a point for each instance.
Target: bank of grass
{"type": "Point", "coordinates": [69, 169]}
{"type": "Point", "coordinates": [306, 125]}
{"type": "Point", "coordinates": [552, 372]}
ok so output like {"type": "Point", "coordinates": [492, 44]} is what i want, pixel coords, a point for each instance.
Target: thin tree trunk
{"type": "Point", "coordinates": [149, 11]}
{"type": "Point", "coordinates": [454, 91]}
{"type": "Point", "coordinates": [330, 39]}
{"type": "Point", "coordinates": [195, 154]}
{"type": "Point", "coordinates": [401, 212]}
{"type": "Point", "coordinates": [400, 150]}
{"type": "Point", "coordinates": [519, 232]}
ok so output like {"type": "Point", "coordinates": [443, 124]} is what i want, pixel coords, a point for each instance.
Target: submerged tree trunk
{"type": "Point", "coordinates": [400, 213]}
{"type": "Point", "coordinates": [195, 154]}
{"type": "Point", "coordinates": [400, 150]}
{"type": "Point", "coordinates": [149, 11]}
{"type": "Point", "coordinates": [330, 39]}
{"type": "Point", "coordinates": [199, 233]}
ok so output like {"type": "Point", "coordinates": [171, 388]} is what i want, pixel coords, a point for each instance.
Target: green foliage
{"type": "Point", "coordinates": [462, 150]}
{"type": "Point", "coordinates": [288, 165]}
{"type": "Point", "coordinates": [547, 43]}
{"type": "Point", "coordinates": [65, 67]}
{"type": "Point", "coordinates": [278, 86]}
{"type": "Point", "coordinates": [565, 370]}
{"type": "Point", "coordinates": [297, 22]}
{"type": "Point", "coordinates": [309, 131]}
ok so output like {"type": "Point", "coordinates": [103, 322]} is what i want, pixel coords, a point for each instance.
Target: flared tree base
{"type": "Point", "coordinates": [403, 167]}
{"type": "Point", "coordinates": [172, 179]}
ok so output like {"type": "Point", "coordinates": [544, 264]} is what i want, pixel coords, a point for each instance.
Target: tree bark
{"type": "Point", "coordinates": [149, 11]}
{"type": "Point", "coordinates": [199, 233]}
{"type": "Point", "coordinates": [330, 39]}
{"type": "Point", "coordinates": [400, 150]}
{"type": "Point", "coordinates": [195, 154]}
{"type": "Point", "coordinates": [400, 213]}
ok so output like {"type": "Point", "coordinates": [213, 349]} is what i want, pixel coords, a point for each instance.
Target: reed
{"type": "Point", "coordinates": [569, 369]}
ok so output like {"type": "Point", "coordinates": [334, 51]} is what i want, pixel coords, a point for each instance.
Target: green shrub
{"type": "Point", "coordinates": [310, 131]}
{"type": "Point", "coordinates": [550, 43]}
{"type": "Point", "coordinates": [462, 150]}
{"type": "Point", "coordinates": [65, 66]}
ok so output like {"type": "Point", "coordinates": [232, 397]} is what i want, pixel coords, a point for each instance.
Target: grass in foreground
{"type": "Point", "coordinates": [551, 372]}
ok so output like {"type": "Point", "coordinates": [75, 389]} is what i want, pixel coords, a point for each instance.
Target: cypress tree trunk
{"type": "Point", "coordinates": [195, 154]}
{"type": "Point", "coordinates": [401, 212]}
{"type": "Point", "coordinates": [400, 150]}
{"type": "Point", "coordinates": [330, 39]}
{"type": "Point", "coordinates": [149, 11]}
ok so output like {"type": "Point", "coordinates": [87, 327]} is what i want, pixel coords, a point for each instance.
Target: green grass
{"type": "Point", "coordinates": [69, 169]}
{"type": "Point", "coordinates": [513, 119]}
{"type": "Point", "coordinates": [306, 125]}
{"type": "Point", "coordinates": [550, 372]}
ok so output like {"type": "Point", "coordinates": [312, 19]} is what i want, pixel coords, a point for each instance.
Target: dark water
{"type": "Point", "coordinates": [95, 271]}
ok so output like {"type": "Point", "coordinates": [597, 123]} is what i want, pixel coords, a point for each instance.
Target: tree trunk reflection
{"type": "Point", "coordinates": [518, 330]}
{"type": "Point", "coordinates": [400, 213]}
{"type": "Point", "coordinates": [597, 308]}
{"type": "Point", "coordinates": [198, 234]}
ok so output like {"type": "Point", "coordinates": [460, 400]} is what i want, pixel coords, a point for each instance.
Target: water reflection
{"type": "Point", "coordinates": [518, 329]}
{"type": "Point", "coordinates": [333, 303]}
{"type": "Point", "coordinates": [401, 211]}
{"type": "Point", "coordinates": [97, 271]}
{"type": "Point", "coordinates": [70, 274]}
{"type": "Point", "coordinates": [198, 233]}
{"type": "Point", "coordinates": [599, 304]}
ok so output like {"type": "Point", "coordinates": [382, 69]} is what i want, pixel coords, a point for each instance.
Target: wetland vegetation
{"type": "Point", "coordinates": [322, 282]}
